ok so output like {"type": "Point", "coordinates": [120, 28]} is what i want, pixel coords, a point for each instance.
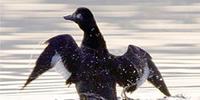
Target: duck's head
{"type": "Point", "coordinates": [83, 17]}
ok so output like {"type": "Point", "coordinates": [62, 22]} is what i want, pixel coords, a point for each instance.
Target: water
{"type": "Point", "coordinates": [168, 29]}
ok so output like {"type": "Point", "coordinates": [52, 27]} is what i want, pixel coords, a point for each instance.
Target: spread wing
{"type": "Point", "coordinates": [62, 54]}
{"type": "Point", "coordinates": [136, 66]}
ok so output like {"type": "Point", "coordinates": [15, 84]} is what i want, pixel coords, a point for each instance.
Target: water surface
{"type": "Point", "coordinates": [168, 29]}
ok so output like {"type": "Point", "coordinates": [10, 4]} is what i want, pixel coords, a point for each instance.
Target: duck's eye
{"type": "Point", "coordinates": [79, 16]}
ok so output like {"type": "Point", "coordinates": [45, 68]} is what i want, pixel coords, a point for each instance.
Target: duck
{"type": "Point", "coordinates": [91, 67]}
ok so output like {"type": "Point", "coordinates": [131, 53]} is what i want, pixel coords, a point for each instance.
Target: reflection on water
{"type": "Point", "coordinates": [168, 29]}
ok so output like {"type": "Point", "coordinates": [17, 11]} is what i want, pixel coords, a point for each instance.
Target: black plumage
{"type": "Point", "coordinates": [92, 68]}
{"type": "Point", "coordinates": [66, 47]}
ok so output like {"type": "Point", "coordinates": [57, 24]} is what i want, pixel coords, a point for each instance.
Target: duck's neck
{"type": "Point", "coordinates": [93, 38]}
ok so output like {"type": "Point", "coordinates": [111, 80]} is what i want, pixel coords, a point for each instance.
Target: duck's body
{"type": "Point", "coordinates": [94, 74]}
{"type": "Point", "coordinates": [92, 68]}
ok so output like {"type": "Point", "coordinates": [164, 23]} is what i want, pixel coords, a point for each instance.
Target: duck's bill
{"type": "Point", "coordinates": [70, 17]}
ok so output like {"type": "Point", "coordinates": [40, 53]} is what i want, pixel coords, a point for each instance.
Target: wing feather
{"type": "Point", "coordinates": [130, 68]}
{"type": "Point", "coordinates": [62, 53]}
{"type": "Point", "coordinates": [135, 67]}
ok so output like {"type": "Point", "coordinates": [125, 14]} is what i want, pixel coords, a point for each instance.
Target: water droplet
{"type": "Point", "coordinates": [97, 34]}
{"type": "Point", "coordinates": [161, 79]}
{"type": "Point", "coordinates": [93, 29]}
{"type": "Point", "coordinates": [157, 76]}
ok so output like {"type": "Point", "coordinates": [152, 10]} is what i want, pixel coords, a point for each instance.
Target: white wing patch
{"type": "Point", "coordinates": [59, 66]}
{"type": "Point", "coordinates": [144, 76]}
